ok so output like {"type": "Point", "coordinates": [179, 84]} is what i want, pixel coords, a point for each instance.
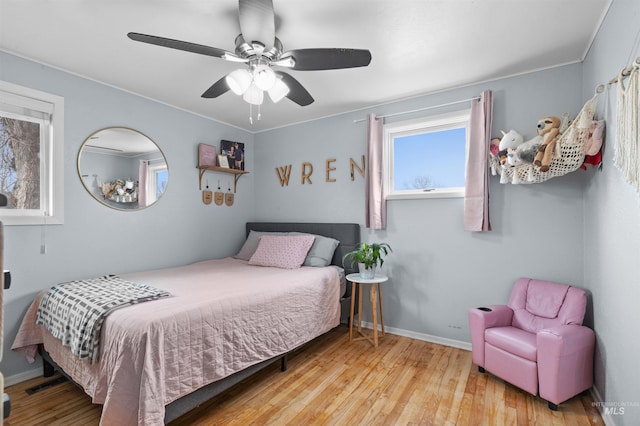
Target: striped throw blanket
{"type": "Point", "coordinates": [74, 311]}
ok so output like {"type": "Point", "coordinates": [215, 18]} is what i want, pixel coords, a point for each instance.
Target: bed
{"type": "Point", "coordinates": [162, 358]}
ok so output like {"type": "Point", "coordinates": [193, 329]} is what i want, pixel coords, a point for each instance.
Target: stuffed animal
{"type": "Point", "coordinates": [548, 128]}
{"type": "Point", "coordinates": [524, 153]}
{"type": "Point", "coordinates": [593, 146]}
{"type": "Point", "coordinates": [596, 137]}
{"type": "Point", "coordinates": [510, 140]}
{"type": "Point", "coordinates": [106, 189]}
{"type": "Point", "coordinates": [594, 160]}
{"type": "Point", "coordinates": [495, 147]}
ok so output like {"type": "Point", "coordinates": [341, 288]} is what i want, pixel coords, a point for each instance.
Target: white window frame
{"type": "Point", "coordinates": [436, 123]}
{"type": "Point", "coordinates": [52, 147]}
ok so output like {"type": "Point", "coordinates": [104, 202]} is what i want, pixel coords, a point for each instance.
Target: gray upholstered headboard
{"type": "Point", "coordinates": [347, 233]}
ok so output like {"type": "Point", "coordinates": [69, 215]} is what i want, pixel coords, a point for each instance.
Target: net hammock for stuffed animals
{"type": "Point", "coordinates": [568, 156]}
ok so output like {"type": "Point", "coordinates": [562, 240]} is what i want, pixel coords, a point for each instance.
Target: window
{"type": "Point", "coordinates": [426, 158]}
{"type": "Point", "coordinates": [158, 177]}
{"type": "Point", "coordinates": [31, 156]}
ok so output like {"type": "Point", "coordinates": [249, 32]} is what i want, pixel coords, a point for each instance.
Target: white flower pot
{"type": "Point", "coordinates": [365, 273]}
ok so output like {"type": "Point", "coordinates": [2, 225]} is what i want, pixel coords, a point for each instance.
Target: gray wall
{"type": "Point", "coordinates": [437, 269]}
{"type": "Point", "coordinates": [612, 228]}
{"type": "Point", "coordinates": [97, 240]}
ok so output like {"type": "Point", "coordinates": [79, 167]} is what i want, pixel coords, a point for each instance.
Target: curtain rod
{"type": "Point", "coordinates": [626, 71]}
{"type": "Point", "coordinates": [421, 109]}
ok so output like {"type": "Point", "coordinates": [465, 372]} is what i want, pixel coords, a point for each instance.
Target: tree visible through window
{"type": "Point", "coordinates": [31, 156]}
{"type": "Point", "coordinates": [20, 162]}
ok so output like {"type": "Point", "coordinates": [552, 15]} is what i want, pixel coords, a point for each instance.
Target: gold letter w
{"type": "Point", "coordinates": [283, 174]}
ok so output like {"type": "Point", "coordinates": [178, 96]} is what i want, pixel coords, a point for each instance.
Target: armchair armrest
{"type": "Point", "coordinates": [565, 361]}
{"type": "Point", "coordinates": [565, 340]}
{"type": "Point", "coordinates": [479, 321]}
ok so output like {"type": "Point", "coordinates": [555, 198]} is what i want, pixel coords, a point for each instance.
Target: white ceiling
{"type": "Point", "coordinates": [417, 46]}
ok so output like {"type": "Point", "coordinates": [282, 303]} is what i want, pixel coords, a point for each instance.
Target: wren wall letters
{"type": "Point", "coordinates": [332, 171]}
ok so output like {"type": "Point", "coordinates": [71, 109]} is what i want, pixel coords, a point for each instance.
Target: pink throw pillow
{"type": "Point", "coordinates": [286, 252]}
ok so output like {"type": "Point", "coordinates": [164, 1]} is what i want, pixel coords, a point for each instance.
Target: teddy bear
{"type": "Point", "coordinates": [549, 129]}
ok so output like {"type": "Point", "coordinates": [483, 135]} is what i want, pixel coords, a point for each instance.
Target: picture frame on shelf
{"type": "Point", "coordinates": [206, 155]}
{"type": "Point", "coordinates": [234, 151]}
{"type": "Point", "coordinates": [223, 161]}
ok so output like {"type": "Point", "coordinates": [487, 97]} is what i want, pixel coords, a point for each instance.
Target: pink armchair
{"type": "Point", "coordinates": [537, 341]}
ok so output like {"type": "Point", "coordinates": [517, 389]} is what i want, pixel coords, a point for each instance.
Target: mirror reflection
{"type": "Point", "coordinates": [122, 168]}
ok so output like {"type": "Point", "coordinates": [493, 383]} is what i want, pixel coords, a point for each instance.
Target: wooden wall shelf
{"type": "Point", "coordinates": [236, 174]}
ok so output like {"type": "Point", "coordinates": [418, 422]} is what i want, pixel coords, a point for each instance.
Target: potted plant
{"type": "Point", "coordinates": [368, 256]}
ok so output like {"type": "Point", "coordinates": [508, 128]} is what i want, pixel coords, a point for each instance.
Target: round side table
{"type": "Point", "coordinates": [376, 299]}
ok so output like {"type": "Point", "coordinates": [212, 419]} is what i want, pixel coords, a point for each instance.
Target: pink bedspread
{"type": "Point", "coordinates": [222, 316]}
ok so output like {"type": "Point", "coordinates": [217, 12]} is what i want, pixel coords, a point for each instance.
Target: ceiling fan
{"type": "Point", "coordinates": [259, 48]}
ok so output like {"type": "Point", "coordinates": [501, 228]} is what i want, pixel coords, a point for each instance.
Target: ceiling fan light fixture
{"type": "Point", "coordinates": [254, 95]}
{"type": "Point", "coordinates": [264, 77]}
{"type": "Point", "coordinates": [239, 81]}
{"type": "Point", "coordinates": [278, 91]}
{"type": "Point", "coordinates": [258, 48]}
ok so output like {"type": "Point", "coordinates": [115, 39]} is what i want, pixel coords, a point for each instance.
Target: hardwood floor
{"type": "Point", "coordinates": [332, 381]}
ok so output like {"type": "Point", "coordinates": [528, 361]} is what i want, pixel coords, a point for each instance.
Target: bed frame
{"type": "Point", "coordinates": [349, 236]}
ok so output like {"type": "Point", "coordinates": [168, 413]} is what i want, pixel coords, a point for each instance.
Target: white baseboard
{"type": "Point", "coordinates": [606, 417]}
{"type": "Point", "coordinates": [421, 336]}
{"type": "Point", "coordinates": [22, 377]}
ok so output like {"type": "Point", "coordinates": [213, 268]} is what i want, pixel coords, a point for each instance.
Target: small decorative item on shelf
{"type": "Point", "coordinates": [234, 151]}
{"type": "Point", "coordinates": [223, 161]}
{"type": "Point", "coordinates": [368, 256]}
{"type": "Point", "coordinates": [206, 155]}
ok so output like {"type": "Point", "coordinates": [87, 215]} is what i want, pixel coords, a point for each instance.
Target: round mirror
{"type": "Point", "coordinates": [122, 168]}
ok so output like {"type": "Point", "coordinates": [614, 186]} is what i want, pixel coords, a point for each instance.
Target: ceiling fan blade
{"type": "Point", "coordinates": [328, 59]}
{"type": "Point", "coordinates": [297, 93]}
{"type": "Point", "coordinates": [218, 88]}
{"type": "Point", "coordinates": [181, 45]}
{"type": "Point", "coordinates": [257, 21]}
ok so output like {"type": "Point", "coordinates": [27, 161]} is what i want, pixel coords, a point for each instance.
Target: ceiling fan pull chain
{"type": "Point", "coordinates": [259, 114]}
{"type": "Point", "coordinates": [251, 113]}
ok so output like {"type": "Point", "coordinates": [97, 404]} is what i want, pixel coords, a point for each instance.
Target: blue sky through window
{"type": "Point", "coordinates": [161, 182]}
{"type": "Point", "coordinates": [429, 160]}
